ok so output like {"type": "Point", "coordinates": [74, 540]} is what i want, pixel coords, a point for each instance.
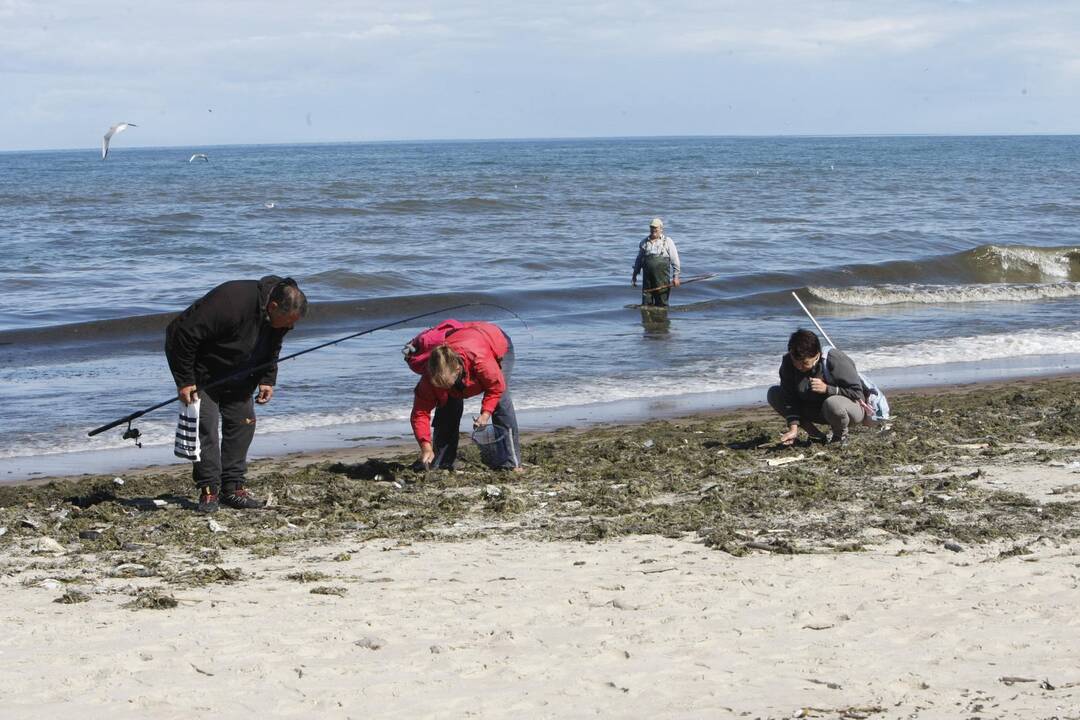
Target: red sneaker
{"type": "Point", "coordinates": [208, 500]}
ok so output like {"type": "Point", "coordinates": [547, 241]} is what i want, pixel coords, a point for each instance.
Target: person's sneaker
{"type": "Point", "coordinates": [842, 441]}
{"type": "Point", "coordinates": [241, 499]}
{"type": "Point", "coordinates": [208, 500]}
{"type": "Point", "coordinates": [815, 435]}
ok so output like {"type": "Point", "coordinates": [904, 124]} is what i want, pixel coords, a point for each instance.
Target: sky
{"type": "Point", "coordinates": [202, 73]}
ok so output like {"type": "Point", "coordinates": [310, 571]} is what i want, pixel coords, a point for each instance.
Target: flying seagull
{"type": "Point", "coordinates": [117, 128]}
{"type": "Point", "coordinates": [198, 156]}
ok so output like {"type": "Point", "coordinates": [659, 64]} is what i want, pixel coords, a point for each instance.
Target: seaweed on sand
{"type": "Point", "coordinates": [206, 575]}
{"type": "Point", "coordinates": [306, 576]}
{"type": "Point", "coordinates": [704, 477]}
{"type": "Point", "coordinates": [72, 597]}
{"type": "Point", "coordinates": [152, 599]}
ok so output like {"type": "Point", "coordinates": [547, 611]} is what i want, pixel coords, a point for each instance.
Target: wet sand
{"type": "Point", "coordinates": [679, 568]}
{"type": "Point", "coordinates": [365, 439]}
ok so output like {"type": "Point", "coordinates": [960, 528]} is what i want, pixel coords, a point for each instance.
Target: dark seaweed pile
{"type": "Point", "coordinates": [704, 477]}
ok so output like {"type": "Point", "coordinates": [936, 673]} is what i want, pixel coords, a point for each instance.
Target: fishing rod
{"type": "Point", "coordinates": [134, 434]}
{"type": "Point", "coordinates": [687, 281]}
{"type": "Point", "coordinates": [812, 319]}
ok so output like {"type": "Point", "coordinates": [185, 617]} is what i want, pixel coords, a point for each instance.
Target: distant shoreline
{"type": "Point", "coordinates": [581, 138]}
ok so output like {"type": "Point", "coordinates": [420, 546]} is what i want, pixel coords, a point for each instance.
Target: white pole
{"type": "Point", "coordinates": [820, 330]}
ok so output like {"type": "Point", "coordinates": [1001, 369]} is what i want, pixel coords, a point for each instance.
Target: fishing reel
{"type": "Point", "coordinates": [132, 433]}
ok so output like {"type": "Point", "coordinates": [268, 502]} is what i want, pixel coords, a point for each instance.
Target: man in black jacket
{"type": "Point", "coordinates": [230, 332]}
{"type": "Point", "coordinates": [813, 389]}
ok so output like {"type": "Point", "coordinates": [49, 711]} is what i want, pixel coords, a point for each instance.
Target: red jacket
{"type": "Point", "coordinates": [481, 346]}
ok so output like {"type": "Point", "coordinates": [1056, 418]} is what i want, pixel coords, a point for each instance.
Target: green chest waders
{"type": "Point", "coordinates": [657, 273]}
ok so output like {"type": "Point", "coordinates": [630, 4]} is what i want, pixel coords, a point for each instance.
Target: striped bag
{"type": "Point", "coordinates": [187, 432]}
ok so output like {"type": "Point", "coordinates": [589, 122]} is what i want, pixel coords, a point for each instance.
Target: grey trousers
{"type": "Point", "coordinates": [446, 425]}
{"type": "Point", "coordinates": [837, 411]}
{"type": "Point", "coordinates": [224, 460]}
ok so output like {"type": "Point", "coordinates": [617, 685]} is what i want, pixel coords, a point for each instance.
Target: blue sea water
{"type": "Point", "coordinates": [916, 254]}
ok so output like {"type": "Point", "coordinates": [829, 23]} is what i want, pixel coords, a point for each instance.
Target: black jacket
{"type": "Point", "coordinates": [800, 399]}
{"type": "Point", "coordinates": [224, 332]}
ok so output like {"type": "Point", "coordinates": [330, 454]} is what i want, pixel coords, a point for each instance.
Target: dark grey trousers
{"type": "Point", "coordinates": [446, 425]}
{"type": "Point", "coordinates": [837, 411]}
{"type": "Point", "coordinates": [656, 273]}
{"type": "Point", "coordinates": [224, 459]}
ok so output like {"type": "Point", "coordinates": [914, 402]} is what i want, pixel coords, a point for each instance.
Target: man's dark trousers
{"type": "Point", "coordinates": [224, 462]}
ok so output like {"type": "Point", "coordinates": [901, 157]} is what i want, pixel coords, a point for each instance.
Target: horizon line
{"type": "Point", "coordinates": [572, 138]}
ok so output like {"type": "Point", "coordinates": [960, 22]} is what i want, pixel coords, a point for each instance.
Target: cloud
{"type": "Point", "coordinates": [479, 61]}
{"type": "Point", "coordinates": [818, 38]}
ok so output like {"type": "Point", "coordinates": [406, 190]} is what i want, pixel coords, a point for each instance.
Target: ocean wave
{"type": "Point", "coordinates": [971, 348]}
{"type": "Point", "coordinates": [465, 204]}
{"type": "Point", "coordinates": [754, 371]}
{"type": "Point", "coordinates": [916, 294]}
{"type": "Point", "coordinates": [368, 282]}
{"type": "Point", "coordinates": [760, 369]}
{"type": "Point", "coordinates": [331, 316]}
{"type": "Point", "coordinates": [982, 264]}
{"type": "Point", "coordinates": [323, 210]}
{"type": "Point", "coordinates": [169, 218]}
{"type": "Point", "coordinates": [133, 328]}
{"type": "Point", "coordinates": [347, 189]}
{"type": "Point", "coordinates": [1016, 265]}
{"type": "Point", "coordinates": [157, 432]}
{"type": "Point", "coordinates": [989, 273]}
{"type": "Point", "coordinates": [780, 220]}
{"type": "Point", "coordinates": [1047, 262]}
{"type": "Point", "coordinates": [1053, 208]}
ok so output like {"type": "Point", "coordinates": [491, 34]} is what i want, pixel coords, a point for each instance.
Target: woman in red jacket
{"type": "Point", "coordinates": [475, 359]}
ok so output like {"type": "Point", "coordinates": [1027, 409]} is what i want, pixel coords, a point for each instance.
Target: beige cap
{"type": "Point", "coordinates": [656, 222]}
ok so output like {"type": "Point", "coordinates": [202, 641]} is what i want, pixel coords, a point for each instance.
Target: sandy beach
{"type": "Point", "coordinates": [675, 569]}
{"type": "Point", "coordinates": [610, 228]}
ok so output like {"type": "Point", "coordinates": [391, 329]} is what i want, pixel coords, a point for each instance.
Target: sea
{"type": "Point", "coordinates": [929, 260]}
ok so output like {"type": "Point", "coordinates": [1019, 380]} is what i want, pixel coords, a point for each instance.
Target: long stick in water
{"type": "Point", "coordinates": [687, 281]}
{"type": "Point", "coordinates": [820, 330]}
{"type": "Point", "coordinates": [259, 368]}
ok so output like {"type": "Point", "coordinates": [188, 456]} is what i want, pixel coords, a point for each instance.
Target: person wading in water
{"type": "Point", "coordinates": [659, 259]}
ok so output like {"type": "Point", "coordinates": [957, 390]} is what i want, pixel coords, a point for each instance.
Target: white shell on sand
{"type": "Point", "coordinates": [48, 546]}
{"type": "Point", "coordinates": [785, 460]}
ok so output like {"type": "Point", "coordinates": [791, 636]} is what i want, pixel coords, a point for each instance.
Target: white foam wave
{"type": "Point", "coordinates": [751, 371]}
{"type": "Point", "coordinates": [158, 432]}
{"type": "Point", "coordinates": [696, 378]}
{"type": "Point", "coordinates": [917, 294]}
{"type": "Point", "coordinates": [1050, 262]}
{"type": "Point", "coordinates": [308, 421]}
{"type": "Point", "coordinates": [971, 348]}
{"type": "Point", "coordinates": [760, 370]}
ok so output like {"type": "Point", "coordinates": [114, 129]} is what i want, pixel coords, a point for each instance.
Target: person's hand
{"type": "Point", "coordinates": [481, 420]}
{"type": "Point", "coordinates": [265, 393]}
{"type": "Point", "coordinates": [790, 436]}
{"type": "Point", "coordinates": [676, 282]}
{"type": "Point", "coordinates": [818, 385]}
{"type": "Point", "coordinates": [633, 281]}
{"type": "Point", "coordinates": [187, 394]}
{"type": "Point", "coordinates": [427, 455]}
